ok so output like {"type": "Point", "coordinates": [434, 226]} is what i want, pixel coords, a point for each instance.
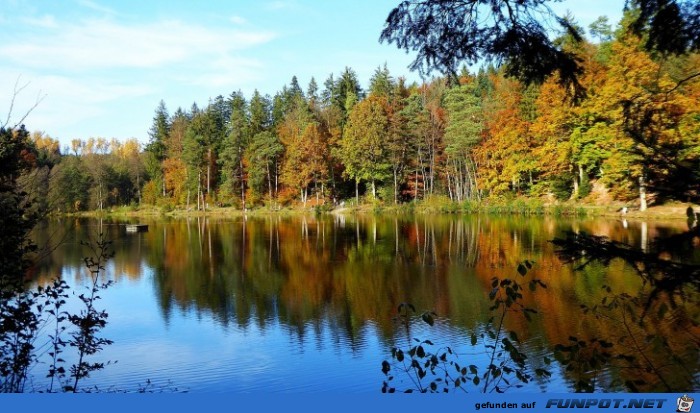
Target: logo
{"type": "Point", "coordinates": [684, 404]}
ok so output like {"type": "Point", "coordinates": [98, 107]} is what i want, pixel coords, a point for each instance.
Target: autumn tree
{"type": "Point", "coordinates": [131, 156]}
{"type": "Point", "coordinates": [504, 156]}
{"type": "Point", "coordinates": [362, 147]}
{"type": "Point", "coordinates": [550, 132]}
{"type": "Point", "coordinates": [516, 33]}
{"type": "Point", "coordinates": [35, 180]}
{"type": "Point", "coordinates": [296, 133]}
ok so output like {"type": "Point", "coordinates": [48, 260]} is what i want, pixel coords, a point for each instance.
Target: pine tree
{"type": "Point", "coordinates": [463, 132]}
{"type": "Point", "coordinates": [234, 147]}
{"type": "Point", "coordinates": [157, 145]}
{"type": "Point", "coordinates": [312, 93]}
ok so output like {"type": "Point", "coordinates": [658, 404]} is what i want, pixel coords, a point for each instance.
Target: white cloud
{"type": "Point", "coordinates": [229, 71]}
{"type": "Point", "coordinates": [67, 101]}
{"type": "Point", "coordinates": [98, 44]}
{"type": "Point", "coordinates": [238, 20]}
{"type": "Point", "coordinates": [96, 7]}
{"type": "Point", "coordinates": [46, 21]}
{"type": "Point", "coordinates": [281, 5]}
{"type": "Point", "coordinates": [96, 71]}
{"type": "Point", "coordinates": [90, 91]}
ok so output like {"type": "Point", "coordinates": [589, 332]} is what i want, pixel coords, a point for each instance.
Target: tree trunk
{"type": "Point", "coordinates": [449, 185]}
{"type": "Point", "coordinates": [240, 167]}
{"type": "Point", "coordinates": [476, 182]}
{"type": "Point", "coordinates": [477, 191]}
{"type": "Point", "coordinates": [463, 187]}
{"type": "Point", "coordinates": [208, 170]}
{"type": "Point", "coordinates": [357, 191]}
{"type": "Point", "coordinates": [138, 187]}
{"type": "Point", "coordinates": [269, 182]}
{"type": "Point", "coordinates": [579, 182]}
{"type": "Point", "coordinates": [277, 174]}
{"type": "Point", "coordinates": [396, 187]}
{"type": "Point", "coordinates": [199, 188]}
{"type": "Point", "coordinates": [432, 168]}
{"type": "Point", "coordinates": [642, 193]}
{"type": "Point", "coordinates": [415, 189]}
{"type": "Point", "coordinates": [374, 190]}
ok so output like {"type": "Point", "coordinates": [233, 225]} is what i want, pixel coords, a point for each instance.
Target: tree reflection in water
{"type": "Point", "coordinates": [350, 272]}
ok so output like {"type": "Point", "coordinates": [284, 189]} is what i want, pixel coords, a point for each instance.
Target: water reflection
{"type": "Point", "coordinates": [336, 280]}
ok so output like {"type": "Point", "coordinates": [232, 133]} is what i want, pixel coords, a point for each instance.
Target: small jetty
{"type": "Point", "coordinates": [136, 227]}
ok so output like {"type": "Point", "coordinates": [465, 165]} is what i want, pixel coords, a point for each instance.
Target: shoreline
{"type": "Point", "coordinates": [671, 211]}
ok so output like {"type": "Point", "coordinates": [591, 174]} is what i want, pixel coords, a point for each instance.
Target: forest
{"type": "Point", "coordinates": [617, 122]}
{"type": "Point", "coordinates": [468, 137]}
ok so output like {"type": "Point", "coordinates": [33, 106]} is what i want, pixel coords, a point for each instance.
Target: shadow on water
{"type": "Point", "coordinates": [333, 283]}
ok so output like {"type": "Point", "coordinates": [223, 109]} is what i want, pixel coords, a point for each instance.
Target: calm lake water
{"type": "Point", "coordinates": [307, 304]}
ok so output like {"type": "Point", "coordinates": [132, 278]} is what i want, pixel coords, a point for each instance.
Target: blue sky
{"type": "Point", "coordinates": [103, 66]}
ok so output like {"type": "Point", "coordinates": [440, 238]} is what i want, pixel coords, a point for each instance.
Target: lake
{"type": "Point", "coordinates": [308, 304]}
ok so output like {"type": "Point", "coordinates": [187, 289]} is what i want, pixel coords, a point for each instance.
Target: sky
{"type": "Point", "coordinates": [101, 67]}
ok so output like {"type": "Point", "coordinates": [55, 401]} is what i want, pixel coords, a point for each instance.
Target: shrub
{"type": "Point", "coordinates": [561, 187]}
{"type": "Point", "coordinates": [150, 193]}
{"type": "Point", "coordinates": [585, 187]}
{"type": "Point", "coordinates": [439, 370]}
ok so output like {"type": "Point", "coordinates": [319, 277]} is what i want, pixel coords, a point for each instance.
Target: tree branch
{"type": "Point", "coordinates": [680, 82]}
{"type": "Point", "coordinates": [15, 92]}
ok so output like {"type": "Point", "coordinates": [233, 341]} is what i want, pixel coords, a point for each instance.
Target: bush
{"type": "Point", "coordinates": [150, 193]}
{"type": "Point", "coordinates": [25, 313]}
{"type": "Point", "coordinates": [561, 187]}
{"type": "Point", "coordinates": [386, 194]}
{"type": "Point", "coordinates": [428, 368]}
{"type": "Point", "coordinates": [584, 187]}
{"type": "Point", "coordinates": [439, 203]}
{"type": "Point", "coordinates": [322, 208]}
{"type": "Point", "coordinates": [470, 206]}
{"type": "Point", "coordinates": [287, 196]}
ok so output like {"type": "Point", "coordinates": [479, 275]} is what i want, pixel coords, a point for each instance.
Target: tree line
{"type": "Point", "coordinates": [466, 136]}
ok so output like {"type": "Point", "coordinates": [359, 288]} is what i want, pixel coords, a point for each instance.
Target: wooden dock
{"type": "Point", "coordinates": [136, 227]}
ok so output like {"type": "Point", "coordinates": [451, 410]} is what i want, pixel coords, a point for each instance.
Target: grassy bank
{"type": "Point", "coordinates": [155, 211]}
{"type": "Point", "coordinates": [534, 207]}
{"type": "Point", "coordinates": [431, 205]}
